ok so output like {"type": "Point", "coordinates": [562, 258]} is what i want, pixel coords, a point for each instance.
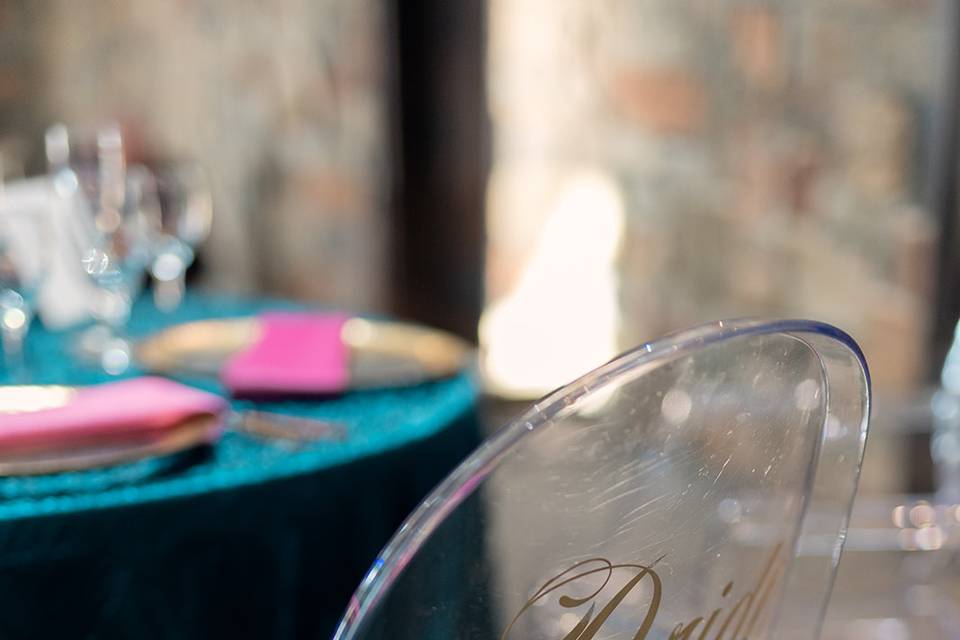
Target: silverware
{"type": "Point", "coordinates": [281, 426]}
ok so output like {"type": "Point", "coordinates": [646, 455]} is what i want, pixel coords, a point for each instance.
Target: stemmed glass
{"type": "Point", "coordinates": [186, 216]}
{"type": "Point", "coordinates": [114, 236]}
{"type": "Point", "coordinates": [25, 238]}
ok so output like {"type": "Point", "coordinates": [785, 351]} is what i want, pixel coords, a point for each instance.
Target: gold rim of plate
{"type": "Point", "coordinates": [382, 353]}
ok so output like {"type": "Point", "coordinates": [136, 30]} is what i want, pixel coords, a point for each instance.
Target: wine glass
{"type": "Point", "coordinates": [25, 238]}
{"type": "Point", "coordinates": [186, 213]}
{"type": "Point", "coordinates": [118, 248]}
{"type": "Point", "coordinates": [115, 234]}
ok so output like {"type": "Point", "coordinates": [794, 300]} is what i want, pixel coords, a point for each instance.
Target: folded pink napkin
{"type": "Point", "coordinates": [113, 411]}
{"type": "Point", "coordinates": [295, 353]}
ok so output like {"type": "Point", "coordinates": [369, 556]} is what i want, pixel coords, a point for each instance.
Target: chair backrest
{"type": "Point", "coordinates": [697, 487]}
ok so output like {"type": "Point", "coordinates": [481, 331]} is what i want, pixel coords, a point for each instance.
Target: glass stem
{"type": "Point", "coordinates": [168, 294]}
{"type": "Point", "coordinates": [14, 325]}
{"type": "Point", "coordinates": [113, 349]}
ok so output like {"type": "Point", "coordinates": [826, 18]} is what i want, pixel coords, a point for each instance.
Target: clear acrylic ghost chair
{"type": "Point", "coordinates": [698, 487]}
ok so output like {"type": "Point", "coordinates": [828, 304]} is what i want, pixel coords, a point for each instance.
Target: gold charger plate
{"type": "Point", "coordinates": [382, 353]}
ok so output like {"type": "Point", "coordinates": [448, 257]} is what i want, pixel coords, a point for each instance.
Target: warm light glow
{"type": "Point", "coordinates": [899, 516]}
{"type": "Point", "coordinates": [676, 406]}
{"type": "Point", "coordinates": [115, 358]}
{"type": "Point", "coordinates": [14, 319]}
{"type": "Point", "coordinates": [922, 515]}
{"type": "Point", "coordinates": [24, 399]}
{"type": "Point", "coordinates": [562, 318]}
{"type": "Point", "coordinates": [929, 538]}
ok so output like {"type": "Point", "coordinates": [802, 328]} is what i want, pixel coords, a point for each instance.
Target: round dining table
{"type": "Point", "coordinates": [247, 538]}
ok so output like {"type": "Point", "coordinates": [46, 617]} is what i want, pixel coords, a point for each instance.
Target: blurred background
{"type": "Point", "coordinates": [621, 168]}
{"type": "Point", "coordinates": [712, 160]}
{"type": "Point", "coordinates": [557, 179]}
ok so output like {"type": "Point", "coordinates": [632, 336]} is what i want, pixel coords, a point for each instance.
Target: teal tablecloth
{"type": "Point", "coordinates": [250, 539]}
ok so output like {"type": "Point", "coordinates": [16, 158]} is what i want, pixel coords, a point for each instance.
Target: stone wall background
{"type": "Point", "coordinates": [770, 158]}
{"type": "Point", "coordinates": [283, 101]}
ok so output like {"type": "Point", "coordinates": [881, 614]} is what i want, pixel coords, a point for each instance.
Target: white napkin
{"type": "Point", "coordinates": [66, 292]}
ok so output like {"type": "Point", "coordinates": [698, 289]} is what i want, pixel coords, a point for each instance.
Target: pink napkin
{"type": "Point", "coordinates": [296, 353]}
{"type": "Point", "coordinates": [111, 411]}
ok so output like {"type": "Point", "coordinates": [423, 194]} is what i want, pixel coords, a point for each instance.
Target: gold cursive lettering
{"type": "Point", "coordinates": [743, 616]}
{"type": "Point", "coordinates": [588, 626]}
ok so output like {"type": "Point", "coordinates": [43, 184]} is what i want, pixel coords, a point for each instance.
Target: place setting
{"type": "Point", "coordinates": [111, 363]}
